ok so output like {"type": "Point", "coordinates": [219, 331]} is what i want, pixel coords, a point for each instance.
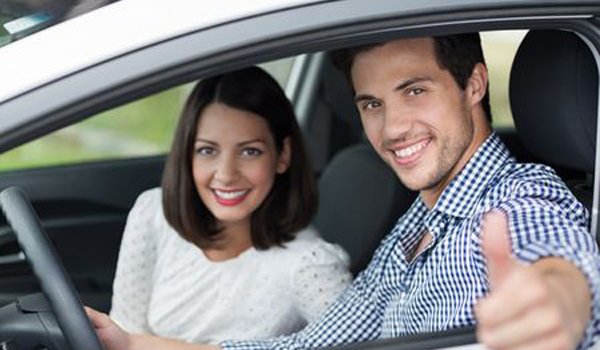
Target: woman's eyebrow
{"type": "Point", "coordinates": [199, 139]}
{"type": "Point", "coordinates": [243, 143]}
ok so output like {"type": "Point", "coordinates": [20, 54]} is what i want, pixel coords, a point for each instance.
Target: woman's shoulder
{"type": "Point", "coordinates": [148, 208]}
{"type": "Point", "coordinates": [148, 201]}
{"type": "Point", "coordinates": [152, 196]}
{"type": "Point", "coordinates": [309, 247]}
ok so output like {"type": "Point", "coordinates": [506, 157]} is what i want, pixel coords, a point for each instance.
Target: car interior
{"type": "Point", "coordinates": [554, 104]}
{"type": "Point", "coordinates": [83, 207]}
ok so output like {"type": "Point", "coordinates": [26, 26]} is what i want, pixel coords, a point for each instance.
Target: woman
{"type": "Point", "coordinates": [223, 250]}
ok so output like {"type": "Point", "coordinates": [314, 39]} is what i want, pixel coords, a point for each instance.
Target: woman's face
{"type": "Point", "coordinates": [235, 162]}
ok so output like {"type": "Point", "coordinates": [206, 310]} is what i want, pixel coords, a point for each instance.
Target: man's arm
{"type": "Point", "coordinates": [355, 316]}
{"type": "Point", "coordinates": [545, 305]}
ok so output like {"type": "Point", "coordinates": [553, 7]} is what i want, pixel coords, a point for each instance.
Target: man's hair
{"type": "Point", "coordinates": [292, 201]}
{"type": "Point", "coordinates": [458, 54]}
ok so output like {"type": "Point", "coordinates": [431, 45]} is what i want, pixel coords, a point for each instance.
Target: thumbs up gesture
{"type": "Point", "coordinates": [545, 305]}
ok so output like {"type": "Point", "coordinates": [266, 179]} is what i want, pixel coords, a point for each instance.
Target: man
{"type": "Point", "coordinates": [424, 108]}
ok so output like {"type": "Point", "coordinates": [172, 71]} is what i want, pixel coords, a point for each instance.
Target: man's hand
{"type": "Point", "coordinates": [543, 306]}
{"type": "Point", "coordinates": [110, 334]}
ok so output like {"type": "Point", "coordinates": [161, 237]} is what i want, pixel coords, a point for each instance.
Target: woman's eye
{"type": "Point", "coordinates": [205, 151]}
{"type": "Point", "coordinates": [251, 152]}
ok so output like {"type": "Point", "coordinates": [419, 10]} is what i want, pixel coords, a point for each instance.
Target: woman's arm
{"type": "Point", "coordinates": [115, 338]}
{"type": "Point", "coordinates": [133, 284]}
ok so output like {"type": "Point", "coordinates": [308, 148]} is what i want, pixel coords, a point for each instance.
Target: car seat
{"type": "Point", "coordinates": [360, 199]}
{"type": "Point", "coordinates": [554, 101]}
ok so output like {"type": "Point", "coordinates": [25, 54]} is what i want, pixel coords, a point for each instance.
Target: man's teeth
{"type": "Point", "coordinates": [409, 151]}
{"type": "Point", "coordinates": [230, 194]}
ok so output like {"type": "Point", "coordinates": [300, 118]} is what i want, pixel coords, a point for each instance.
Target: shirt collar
{"type": "Point", "coordinates": [462, 193]}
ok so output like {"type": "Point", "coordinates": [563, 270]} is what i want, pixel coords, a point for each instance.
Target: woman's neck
{"type": "Point", "coordinates": [233, 241]}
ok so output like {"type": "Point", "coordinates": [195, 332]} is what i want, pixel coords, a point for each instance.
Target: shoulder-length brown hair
{"type": "Point", "coordinates": [292, 201]}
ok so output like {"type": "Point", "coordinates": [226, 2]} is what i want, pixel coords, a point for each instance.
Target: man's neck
{"type": "Point", "coordinates": [431, 195]}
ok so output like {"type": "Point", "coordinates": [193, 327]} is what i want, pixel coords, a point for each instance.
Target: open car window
{"type": "Point", "coordinates": [140, 128]}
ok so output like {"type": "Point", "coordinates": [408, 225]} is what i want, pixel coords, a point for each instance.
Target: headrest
{"type": "Point", "coordinates": [360, 199]}
{"type": "Point", "coordinates": [554, 98]}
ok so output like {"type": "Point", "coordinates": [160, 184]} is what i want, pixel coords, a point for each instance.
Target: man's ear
{"type": "Point", "coordinates": [283, 161]}
{"type": "Point", "coordinates": [477, 84]}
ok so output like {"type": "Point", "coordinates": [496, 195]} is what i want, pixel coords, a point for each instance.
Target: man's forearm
{"type": "Point", "coordinates": [571, 288]}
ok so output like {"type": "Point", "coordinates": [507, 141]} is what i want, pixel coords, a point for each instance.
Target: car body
{"type": "Point", "coordinates": [131, 49]}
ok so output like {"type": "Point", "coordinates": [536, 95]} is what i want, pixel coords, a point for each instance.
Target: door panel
{"type": "Point", "coordinates": [83, 209]}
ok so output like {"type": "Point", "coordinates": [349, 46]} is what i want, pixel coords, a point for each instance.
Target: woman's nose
{"type": "Point", "coordinates": [226, 170]}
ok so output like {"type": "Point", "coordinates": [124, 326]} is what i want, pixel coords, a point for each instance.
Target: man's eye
{"type": "Point", "coordinates": [369, 105]}
{"type": "Point", "coordinates": [205, 151]}
{"type": "Point", "coordinates": [251, 152]}
{"type": "Point", "coordinates": [415, 91]}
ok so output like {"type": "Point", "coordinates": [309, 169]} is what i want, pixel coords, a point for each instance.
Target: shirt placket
{"type": "Point", "coordinates": [406, 313]}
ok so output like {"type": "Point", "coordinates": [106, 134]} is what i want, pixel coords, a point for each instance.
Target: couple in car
{"type": "Point", "coordinates": [488, 241]}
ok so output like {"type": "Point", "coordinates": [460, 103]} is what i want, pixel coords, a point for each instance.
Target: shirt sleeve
{"type": "Point", "coordinates": [133, 282]}
{"type": "Point", "coordinates": [319, 278]}
{"type": "Point", "coordinates": [355, 316]}
{"type": "Point", "coordinates": [547, 220]}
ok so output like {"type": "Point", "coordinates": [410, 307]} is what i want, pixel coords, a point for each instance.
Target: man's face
{"type": "Point", "coordinates": [415, 115]}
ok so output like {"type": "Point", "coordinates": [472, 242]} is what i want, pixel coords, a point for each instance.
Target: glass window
{"type": "Point", "coordinates": [140, 128]}
{"type": "Point", "coordinates": [20, 18]}
{"type": "Point", "coordinates": [500, 48]}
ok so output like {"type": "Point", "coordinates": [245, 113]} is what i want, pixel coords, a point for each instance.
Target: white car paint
{"type": "Point", "coordinates": [108, 32]}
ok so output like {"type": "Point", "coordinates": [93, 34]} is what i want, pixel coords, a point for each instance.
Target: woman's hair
{"type": "Point", "coordinates": [292, 201]}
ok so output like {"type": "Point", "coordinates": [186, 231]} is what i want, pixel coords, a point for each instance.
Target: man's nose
{"type": "Point", "coordinates": [397, 121]}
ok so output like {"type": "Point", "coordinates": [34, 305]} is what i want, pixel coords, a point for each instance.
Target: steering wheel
{"type": "Point", "coordinates": [55, 283]}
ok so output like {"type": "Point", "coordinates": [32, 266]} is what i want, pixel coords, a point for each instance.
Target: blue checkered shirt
{"type": "Point", "coordinates": [437, 289]}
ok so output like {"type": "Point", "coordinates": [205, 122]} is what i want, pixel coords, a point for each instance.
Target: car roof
{"type": "Point", "coordinates": [110, 31]}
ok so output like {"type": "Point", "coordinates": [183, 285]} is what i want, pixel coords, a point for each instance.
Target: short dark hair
{"type": "Point", "coordinates": [292, 201]}
{"type": "Point", "coordinates": [457, 53]}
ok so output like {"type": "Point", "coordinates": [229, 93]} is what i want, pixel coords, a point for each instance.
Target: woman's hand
{"type": "Point", "coordinates": [114, 337]}
{"type": "Point", "coordinates": [110, 334]}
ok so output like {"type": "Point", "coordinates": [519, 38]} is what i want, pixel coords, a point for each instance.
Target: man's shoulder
{"type": "Point", "coordinates": [521, 178]}
{"type": "Point", "coordinates": [530, 184]}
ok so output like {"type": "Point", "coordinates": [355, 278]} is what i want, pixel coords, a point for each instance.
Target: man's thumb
{"type": "Point", "coordinates": [495, 242]}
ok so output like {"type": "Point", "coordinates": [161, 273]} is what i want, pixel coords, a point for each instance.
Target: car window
{"type": "Point", "coordinates": [500, 48]}
{"type": "Point", "coordinates": [140, 128]}
{"type": "Point", "coordinates": [126, 132]}
{"type": "Point", "coordinates": [20, 18]}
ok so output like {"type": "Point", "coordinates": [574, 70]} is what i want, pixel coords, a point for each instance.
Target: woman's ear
{"type": "Point", "coordinates": [283, 162]}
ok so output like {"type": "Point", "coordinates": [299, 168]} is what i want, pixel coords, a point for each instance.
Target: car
{"type": "Point", "coordinates": [88, 104]}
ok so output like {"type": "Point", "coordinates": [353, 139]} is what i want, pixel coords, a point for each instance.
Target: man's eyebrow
{"type": "Point", "coordinates": [408, 82]}
{"type": "Point", "coordinates": [363, 97]}
{"type": "Point", "coordinates": [403, 84]}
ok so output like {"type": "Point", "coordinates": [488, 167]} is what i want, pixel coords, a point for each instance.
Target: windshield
{"type": "Point", "coordinates": [19, 18]}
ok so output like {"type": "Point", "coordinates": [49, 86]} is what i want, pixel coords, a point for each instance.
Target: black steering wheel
{"type": "Point", "coordinates": [55, 283]}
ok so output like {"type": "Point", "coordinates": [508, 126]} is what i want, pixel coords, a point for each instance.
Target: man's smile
{"type": "Point", "coordinates": [408, 153]}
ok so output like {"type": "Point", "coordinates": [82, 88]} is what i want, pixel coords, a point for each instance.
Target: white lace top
{"type": "Point", "coordinates": [165, 285]}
